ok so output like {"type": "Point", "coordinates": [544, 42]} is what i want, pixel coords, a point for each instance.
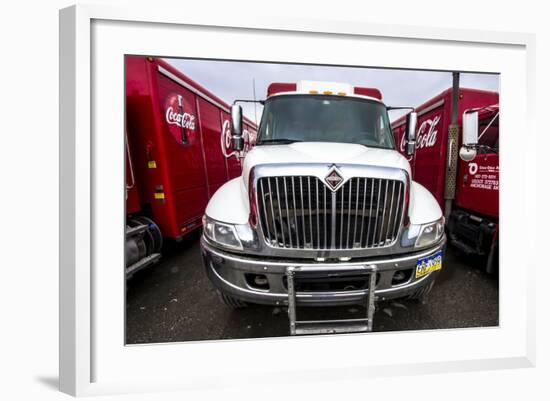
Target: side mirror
{"type": "Point", "coordinates": [410, 132]}
{"type": "Point", "coordinates": [470, 126]}
{"type": "Point", "coordinates": [237, 140]}
{"type": "Point", "coordinates": [467, 153]}
{"type": "Point", "coordinates": [410, 148]}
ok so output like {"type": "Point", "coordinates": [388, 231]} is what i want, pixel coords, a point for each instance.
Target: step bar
{"type": "Point", "coordinates": [305, 327]}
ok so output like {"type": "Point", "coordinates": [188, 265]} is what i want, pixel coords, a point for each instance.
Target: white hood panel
{"type": "Point", "coordinates": [323, 152]}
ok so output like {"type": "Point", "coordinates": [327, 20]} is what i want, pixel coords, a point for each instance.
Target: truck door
{"type": "Point", "coordinates": [478, 180]}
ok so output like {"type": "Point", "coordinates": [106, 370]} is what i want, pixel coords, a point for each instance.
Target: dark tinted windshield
{"type": "Point", "coordinates": [317, 118]}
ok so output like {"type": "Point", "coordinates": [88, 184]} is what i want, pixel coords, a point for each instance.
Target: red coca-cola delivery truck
{"type": "Point", "coordinates": [177, 155]}
{"type": "Point", "coordinates": [461, 169]}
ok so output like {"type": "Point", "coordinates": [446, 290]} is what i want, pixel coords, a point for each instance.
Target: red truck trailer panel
{"type": "Point", "coordinates": [133, 204]}
{"type": "Point", "coordinates": [174, 127]}
{"type": "Point", "coordinates": [214, 161]}
{"type": "Point", "coordinates": [142, 125]}
{"type": "Point", "coordinates": [428, 164]}
{"type": "Point", "coordinates": [181, 151]}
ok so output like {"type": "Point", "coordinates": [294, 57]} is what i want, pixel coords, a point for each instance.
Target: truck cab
{"type": "Point", "coordinates": [325, 211]}
{"type": "Point", "coordinates": [474, 221]}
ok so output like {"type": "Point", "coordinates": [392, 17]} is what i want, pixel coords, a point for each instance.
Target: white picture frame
{"type": "Point", "coordinates": [93, 357]}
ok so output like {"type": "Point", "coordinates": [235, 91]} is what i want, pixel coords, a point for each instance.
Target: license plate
{"type": "Point", "coordinates": [429, 264]}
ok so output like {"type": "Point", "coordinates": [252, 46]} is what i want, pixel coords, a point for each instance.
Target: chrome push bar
{"type": "Point", "coordinates": [303, 327]}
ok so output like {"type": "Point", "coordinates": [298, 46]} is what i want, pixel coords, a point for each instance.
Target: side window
{"type": "Point", "coordinates": [488, 133]}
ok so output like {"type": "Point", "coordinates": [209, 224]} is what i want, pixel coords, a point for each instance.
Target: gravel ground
{"type": "Point", "coordinates": [174, 301]}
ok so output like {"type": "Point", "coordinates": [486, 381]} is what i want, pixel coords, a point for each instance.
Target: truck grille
{"type": "Point", "coordinates": [301, 212]}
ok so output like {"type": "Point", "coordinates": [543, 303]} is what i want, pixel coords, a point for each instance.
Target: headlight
{"type": "Point", "coordinates": [221, 233]}
{"type": "Point", "coordinates": [430, 233]}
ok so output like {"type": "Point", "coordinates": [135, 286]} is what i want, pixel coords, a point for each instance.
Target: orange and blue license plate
{"type": "Point", "coordinates": [429, 264]}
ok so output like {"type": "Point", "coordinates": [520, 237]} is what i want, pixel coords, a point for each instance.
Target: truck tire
{"type": "Point", "coordinates": [232, 302]}
{"type": "Point", "coordinates": [422, 294]}
{"type": "Point", "coordinates": [154, 235]}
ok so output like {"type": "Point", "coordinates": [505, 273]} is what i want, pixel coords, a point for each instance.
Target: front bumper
{"type": "Point", "coordinates": [232, 273]}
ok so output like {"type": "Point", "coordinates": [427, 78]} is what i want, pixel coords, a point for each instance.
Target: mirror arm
{"type": "Point", "coordinates": [262, 102]}
{"type": "Point", "coordinates": [389, 108]}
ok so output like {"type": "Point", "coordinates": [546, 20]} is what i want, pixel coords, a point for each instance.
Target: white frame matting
{"type": "Point", "coordinates": [93, 357]}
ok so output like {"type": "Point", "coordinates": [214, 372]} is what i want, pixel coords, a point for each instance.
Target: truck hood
{"type": "Point", "coordinates": [323, 152]}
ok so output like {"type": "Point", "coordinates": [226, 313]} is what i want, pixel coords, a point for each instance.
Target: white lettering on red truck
{"type": "Point", "coordinates": [426, 136]}
{"type": "Point", "coordinates": [183, 120]}
{"type": "Point", "coordinates": [181, 123]}
{"type": "Point", "coordinates": [483, 177]}
{"type": "Point", "coordinates": [226, 133]}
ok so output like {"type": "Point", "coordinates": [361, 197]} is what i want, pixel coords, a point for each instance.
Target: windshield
{"type": "Point", "coordinates": [317, 118]}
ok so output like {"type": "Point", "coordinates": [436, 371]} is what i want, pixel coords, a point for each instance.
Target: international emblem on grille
{"type": "Point", "coordinates": [334, 179]}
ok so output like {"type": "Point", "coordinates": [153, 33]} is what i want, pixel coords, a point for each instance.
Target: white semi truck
{"type": "Point", "coordinates": [325, 212]}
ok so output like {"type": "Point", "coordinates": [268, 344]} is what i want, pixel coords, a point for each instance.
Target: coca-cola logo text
{"type": "Point", "coordinates": [183, 120]}
{"type": "Point", "coordinates": [226, 139]}
{"type": "Point", "coordinates": [426, 135]}
{"type": "Point", "coordinates": [180, 119]}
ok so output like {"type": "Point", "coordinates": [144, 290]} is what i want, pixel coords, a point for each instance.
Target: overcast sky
{"type": "Point", "coordinates": [231, 80]}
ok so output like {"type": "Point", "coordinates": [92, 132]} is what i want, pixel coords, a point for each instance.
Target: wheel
{"type": "Point", "coordinates": [153, 235]}
{"type": "Point", "coordinates": [491, 267]}
{"type": "Point", "coordinates": [421, 294]}
{"type": "Point", "coordinates": [232, 302]}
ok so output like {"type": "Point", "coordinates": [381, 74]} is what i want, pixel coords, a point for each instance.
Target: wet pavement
{"type": "Point", "coordinates": [175, 301]}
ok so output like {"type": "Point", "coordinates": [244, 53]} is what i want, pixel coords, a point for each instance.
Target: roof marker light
{"type": "Point", "coordinates": [313, 92]}
{"type": "Point", "coordinates": [327, 93]}
{"type": "Point", "coordinates": [341, 93]}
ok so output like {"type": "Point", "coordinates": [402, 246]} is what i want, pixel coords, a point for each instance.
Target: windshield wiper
{"type": "Point", "coordinates": [278, 141]}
